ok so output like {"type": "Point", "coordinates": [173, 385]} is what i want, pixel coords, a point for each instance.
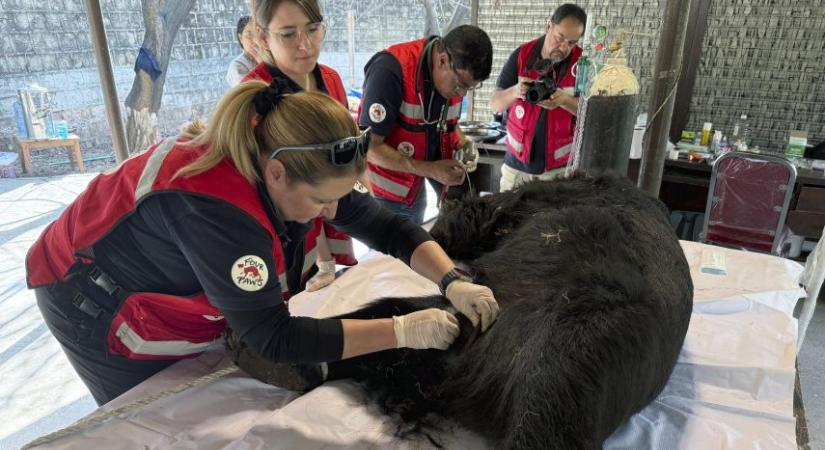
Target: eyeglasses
{"type": "Point", "coordinates": [559, 38]}
{"type": "Point", "coordinates": [341, 152]}
{"type": "Point", "coordinates": [291, 36]}
{"type": "Point", "coordinates": [460, 85]}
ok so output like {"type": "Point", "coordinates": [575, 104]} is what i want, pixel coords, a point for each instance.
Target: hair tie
{"type": "Point", "coordinates": [268, 98]}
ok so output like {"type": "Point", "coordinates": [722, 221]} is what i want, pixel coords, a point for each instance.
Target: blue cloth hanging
{"type": "Point", "coordinates": [147, 62]}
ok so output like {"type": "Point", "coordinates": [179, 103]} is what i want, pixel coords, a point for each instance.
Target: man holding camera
{"type": "Point", "coordinates": [536, 89]}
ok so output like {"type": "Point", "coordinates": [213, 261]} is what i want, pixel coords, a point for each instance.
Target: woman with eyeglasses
{"type": "Point", "coordinates": [212, 229]}
{"type": "Point", "coordinates": [290, 36]}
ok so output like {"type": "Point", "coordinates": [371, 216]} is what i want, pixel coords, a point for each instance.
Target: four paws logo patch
{"type": "Point", "coordinates": [377, 113]}
{"type": "Point", "coordinates": [250, 273]}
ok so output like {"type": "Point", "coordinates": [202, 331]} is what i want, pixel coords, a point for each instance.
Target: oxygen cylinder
{"type": "Point", "coordinates": [605, 121]}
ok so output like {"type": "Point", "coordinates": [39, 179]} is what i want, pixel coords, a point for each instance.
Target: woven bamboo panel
{"type": "Point", "coordinates": [763, 58]}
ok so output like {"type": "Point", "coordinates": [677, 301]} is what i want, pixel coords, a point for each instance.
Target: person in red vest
{"type": "Point", "coordinates": [211, 229]}
{"type": "Point", "coordinates": [412, 102]}
{"type": "Point", "coordinates": [539, 136]}
{"type": "Point", "coordinates": [290, 37]}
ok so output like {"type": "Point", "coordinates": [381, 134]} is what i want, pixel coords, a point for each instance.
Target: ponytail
{"type": "Point", "coordinates": [229, 134]}
{"type": "Point", "coordinates": [302, 118]}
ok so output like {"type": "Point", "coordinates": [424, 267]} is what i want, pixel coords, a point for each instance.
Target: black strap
{"type": "Point", "coordinates": [453, 275]}
{"type": "Point", "coordinates": [97, 294]}
{"type": "Point", "coordinates": [422, 128]}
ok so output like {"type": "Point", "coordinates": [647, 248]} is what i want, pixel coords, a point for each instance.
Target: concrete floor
{"type": "Point", "coordinates": [40, 392]}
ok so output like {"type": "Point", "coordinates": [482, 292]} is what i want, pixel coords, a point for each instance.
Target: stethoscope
{"type": "Point", "coordinates": [442, 116]}
{"type": "Point", "coordinates": [441, 121]}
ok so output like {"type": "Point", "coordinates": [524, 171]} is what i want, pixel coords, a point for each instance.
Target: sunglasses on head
{"type": "Point", "coordinates": [341, 152]}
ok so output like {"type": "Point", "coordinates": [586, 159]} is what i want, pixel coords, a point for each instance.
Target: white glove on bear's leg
{"type": "Point", "coordinates": [324, 277]}
{"type": "Point", "coordinates": [474, 301]}
{"type": "Point", "coordinates": [428, 328]}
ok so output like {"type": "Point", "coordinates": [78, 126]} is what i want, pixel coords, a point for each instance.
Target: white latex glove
{"type": "Point", "coordinates": [467, 155]}
{"type": "Point", "coordinates": [474, 301]}
{"type": "Point", "coordinates": [428, 328]}
{"type": "Point", "coordinates": [324, 277]}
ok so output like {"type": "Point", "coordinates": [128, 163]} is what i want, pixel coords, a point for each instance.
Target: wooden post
{"type": "Point", "coordinates": [660, 106]}
{"type": "Point", "coordinates": [107, 79]}
{"type": "Point", "coordinates": [695, 35]}
{"type": "Point", "coordinates": [471, 96]}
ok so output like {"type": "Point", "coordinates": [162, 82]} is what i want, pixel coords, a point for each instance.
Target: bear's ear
{"type": "Point", "coordinates": [449, 204]}
{"type": "Point", "coordinates": [488, 219]}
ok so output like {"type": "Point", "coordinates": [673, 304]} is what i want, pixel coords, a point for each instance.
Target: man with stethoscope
{"type": "Point", "coordinates": [412, 102]}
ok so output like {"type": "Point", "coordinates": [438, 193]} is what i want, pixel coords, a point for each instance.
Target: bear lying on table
{"type": "Point", "coordinates": [595, 297]}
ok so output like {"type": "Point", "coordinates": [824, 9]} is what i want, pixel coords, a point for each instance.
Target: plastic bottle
{"type": "Point", "coordinates": [706, 128]}
{"type": "Point", "coordinates": [61, 129]}
{"type": "Point", "coordinates": [716, 142]}
{"type": "Point", "coordinates": [741, 133]}
{"type": "Point", "coordinates": [724, 146]}
{"type": "Point", "coordinates": [582, 75]}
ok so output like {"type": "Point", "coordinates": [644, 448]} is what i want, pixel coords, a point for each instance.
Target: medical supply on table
{"type": "Point", "coordinates": [706, 128]}
{"type": "Point", "coordinates": [716, 143]}
{"type": "Point", "coordinates": [797, 142]}
{"type": "Point", "coordinates": [713, 263]}
{"type": "Point", "coordinates": [61, 129]}
{"type": "Point", "coordinates": [741, 133]}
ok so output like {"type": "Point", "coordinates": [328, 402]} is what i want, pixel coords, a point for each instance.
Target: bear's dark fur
{"type": "Point", "coordinates": [595, 297]}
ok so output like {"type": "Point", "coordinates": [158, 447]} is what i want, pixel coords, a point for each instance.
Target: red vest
{"type": "Point", "coordinates": [522, 116]}
{"type": "Point", "coordinates": [409, 136]}
{"type": "Point", "coordinates": [339, 243]}
{"type": "Point", "coordinates": [332, 81]}
{"type": "Point", "coordinates": [153, 325]}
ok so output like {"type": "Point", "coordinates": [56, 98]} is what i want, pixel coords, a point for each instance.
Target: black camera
{"type": "Point", "coordinates": [540, 89]}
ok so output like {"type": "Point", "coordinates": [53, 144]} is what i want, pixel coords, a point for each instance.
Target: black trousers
{"type": "Point", "coordinates": [83, 339]}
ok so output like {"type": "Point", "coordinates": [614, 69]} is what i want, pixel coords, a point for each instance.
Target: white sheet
{"type": "Point", "coordinates": [732, 387]}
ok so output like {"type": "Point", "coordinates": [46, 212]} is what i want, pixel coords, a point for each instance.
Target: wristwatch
{"type": "Point", "coordinates": [452, 275]}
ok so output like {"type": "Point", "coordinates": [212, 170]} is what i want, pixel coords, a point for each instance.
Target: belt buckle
{"type": "Point", "coordinates": [86, 305]}
{"type": "Point", "coordinates": [94, 272]}
{"type": "Point", "coordinates": [102, 280]}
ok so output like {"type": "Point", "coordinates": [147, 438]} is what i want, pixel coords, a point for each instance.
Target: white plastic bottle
{"type": "Point", "coordinates": [741, 133]}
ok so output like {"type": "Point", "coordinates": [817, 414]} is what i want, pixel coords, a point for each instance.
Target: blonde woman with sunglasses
{"type": "Point", "coordinates": [211, 229]}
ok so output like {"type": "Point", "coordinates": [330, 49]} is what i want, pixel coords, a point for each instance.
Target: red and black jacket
{"type": "Point", "coordinates": [409, 136]}
{"type": "Point", "coordinates": [522, 116]}
{"type": "Point", "coordinates": [153, 325]}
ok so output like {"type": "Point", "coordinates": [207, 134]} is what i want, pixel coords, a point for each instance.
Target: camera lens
{"type": "Point", "coordinates": [537, 92]}
{"type": "Point", "coordinates": [532, 95]}
{"type": "Point", "coordinates": [540, 90]}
